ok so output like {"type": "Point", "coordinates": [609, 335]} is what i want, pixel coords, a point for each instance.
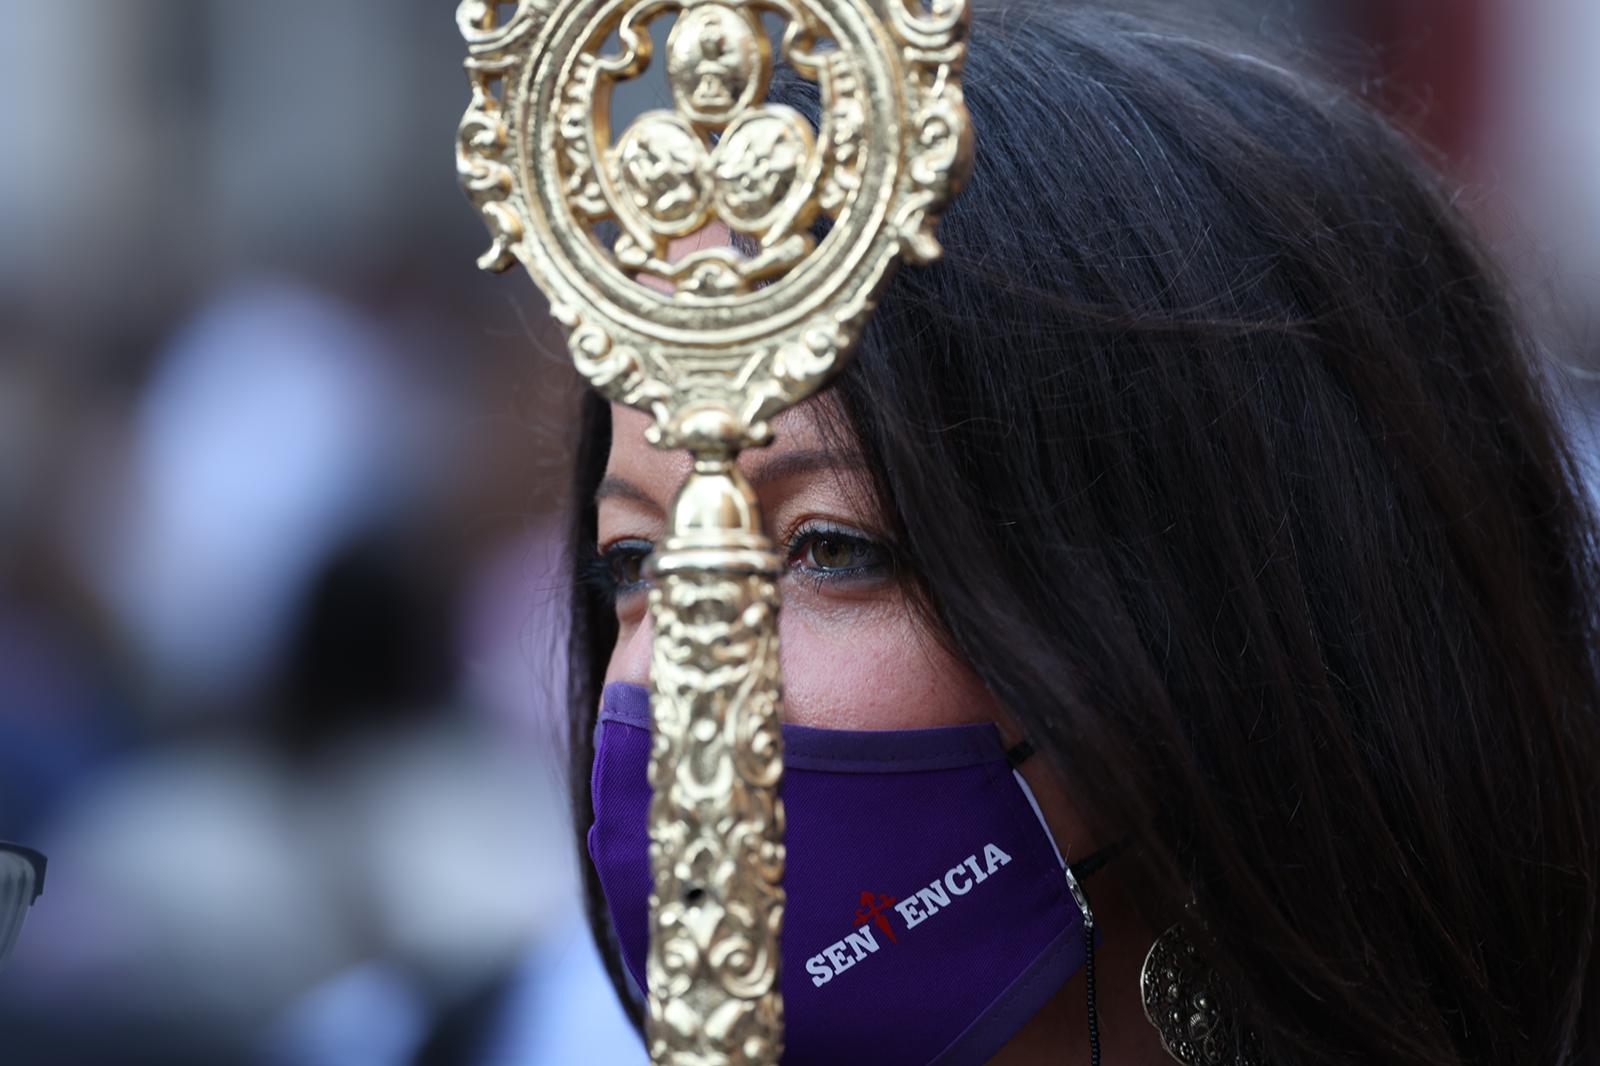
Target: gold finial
{"type": "Point", "coordinates": [712, 349]}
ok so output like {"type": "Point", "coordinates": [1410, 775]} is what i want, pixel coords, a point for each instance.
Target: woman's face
{"type": "Point", "coordinates": [854, 651]}
{"type": "Point", "coordinates": [855, 654]}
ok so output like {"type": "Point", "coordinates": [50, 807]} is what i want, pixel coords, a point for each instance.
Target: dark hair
{"type": "Point", "coordinates": [1214, 447]}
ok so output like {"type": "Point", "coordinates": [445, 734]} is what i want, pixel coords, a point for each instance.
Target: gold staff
{"type": "Point", "coordinates": [736, 340]}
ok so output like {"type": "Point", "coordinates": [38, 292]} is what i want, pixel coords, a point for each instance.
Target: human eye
{"type": "Point", "coordinates": [617, 570]}
{"type": "Point", "coordinates": [827, 554]}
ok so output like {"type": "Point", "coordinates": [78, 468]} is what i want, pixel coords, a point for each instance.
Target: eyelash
{"type": "Point", "coordinates": [601, 570]}
{"type": "Point", "coordinates": [810, 535]}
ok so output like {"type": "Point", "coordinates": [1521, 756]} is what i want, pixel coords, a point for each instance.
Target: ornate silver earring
{"type": "Point", "coordinates": [1189, 1006]}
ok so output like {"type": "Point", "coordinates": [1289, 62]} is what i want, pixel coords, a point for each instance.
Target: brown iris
{"type": "Point", "coordinates": [832, 552]}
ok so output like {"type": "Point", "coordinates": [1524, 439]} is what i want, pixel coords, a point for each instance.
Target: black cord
{"type": "Point", "coordinates": [1092, 865]}
{"type": "Point", "coordinates": [1075, 876]}
{"type": "Point", "coordinates": [1094, 1013]}
{"type": "Point", "coordinates": [1019, 753]}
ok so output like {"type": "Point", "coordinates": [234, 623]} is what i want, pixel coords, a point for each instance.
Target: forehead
{"type": "Point", "coordinates": [794, 431]}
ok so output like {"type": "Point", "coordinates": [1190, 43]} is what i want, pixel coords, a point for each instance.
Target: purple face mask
{"type": "Point", "coordinates": [929, 915]}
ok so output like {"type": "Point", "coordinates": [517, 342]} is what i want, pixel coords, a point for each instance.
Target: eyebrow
{"type": "Point", "coordinates": [779, 468]}
{"type": "Point", "coordinates": [612, 487]}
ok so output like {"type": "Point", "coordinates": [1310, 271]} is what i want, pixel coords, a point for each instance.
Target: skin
{"type": "Point", "coordinates": [835, 633]}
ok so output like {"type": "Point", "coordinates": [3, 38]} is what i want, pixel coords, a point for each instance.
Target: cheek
{"type": "Point", "coordinates": [851, 667]}
{"type": "Point", "coordinates": [886, 672]}
{"type": "Point", "coordinates": [882, 671]}
{"type": "Point", "coordinates": [877, 668]}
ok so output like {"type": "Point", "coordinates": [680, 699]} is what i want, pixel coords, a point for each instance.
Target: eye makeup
{"type": "Point", "coordinates": [617, 570]}
{"type": "Point", "coordinates": [823, 554]}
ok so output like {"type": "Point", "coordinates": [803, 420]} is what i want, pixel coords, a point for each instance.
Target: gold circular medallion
{"type": "Point", "coordinates": [663, 175]}
{"type": "Point", "coordinates": [759, 167]}
{"type": "Point", "coordinates": [749, 330]}
{"type": "Point", "coordinates": [717, 62]}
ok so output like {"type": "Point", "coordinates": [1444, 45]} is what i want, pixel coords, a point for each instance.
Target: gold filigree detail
{"type": "Point", "coordinates": [542, 164]}
{"type": "Point", "coordinates": [718, 874]}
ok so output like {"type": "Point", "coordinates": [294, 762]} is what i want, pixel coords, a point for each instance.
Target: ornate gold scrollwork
{"type": "Point", "coordinates": [717, 344]}
{"type": "Point", "coordinates": [751, 334]}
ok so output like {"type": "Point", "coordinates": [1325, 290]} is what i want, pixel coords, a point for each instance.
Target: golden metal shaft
{"type": "Point", "coordinates": [716, 764]}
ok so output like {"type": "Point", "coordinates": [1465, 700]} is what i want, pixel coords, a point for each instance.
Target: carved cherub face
{"type": "Point", "coordinates": [662, 168]}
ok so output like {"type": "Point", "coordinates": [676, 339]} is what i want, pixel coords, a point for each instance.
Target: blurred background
{"type": "Point", "coordinates": [280, 483]}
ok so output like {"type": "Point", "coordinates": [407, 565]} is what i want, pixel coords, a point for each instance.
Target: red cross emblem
{"type": "Point", "coordinates": [873, 907]}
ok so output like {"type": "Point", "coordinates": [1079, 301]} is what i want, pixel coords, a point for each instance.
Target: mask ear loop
{"type": "Point", "coordinates": [1015, 756]}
